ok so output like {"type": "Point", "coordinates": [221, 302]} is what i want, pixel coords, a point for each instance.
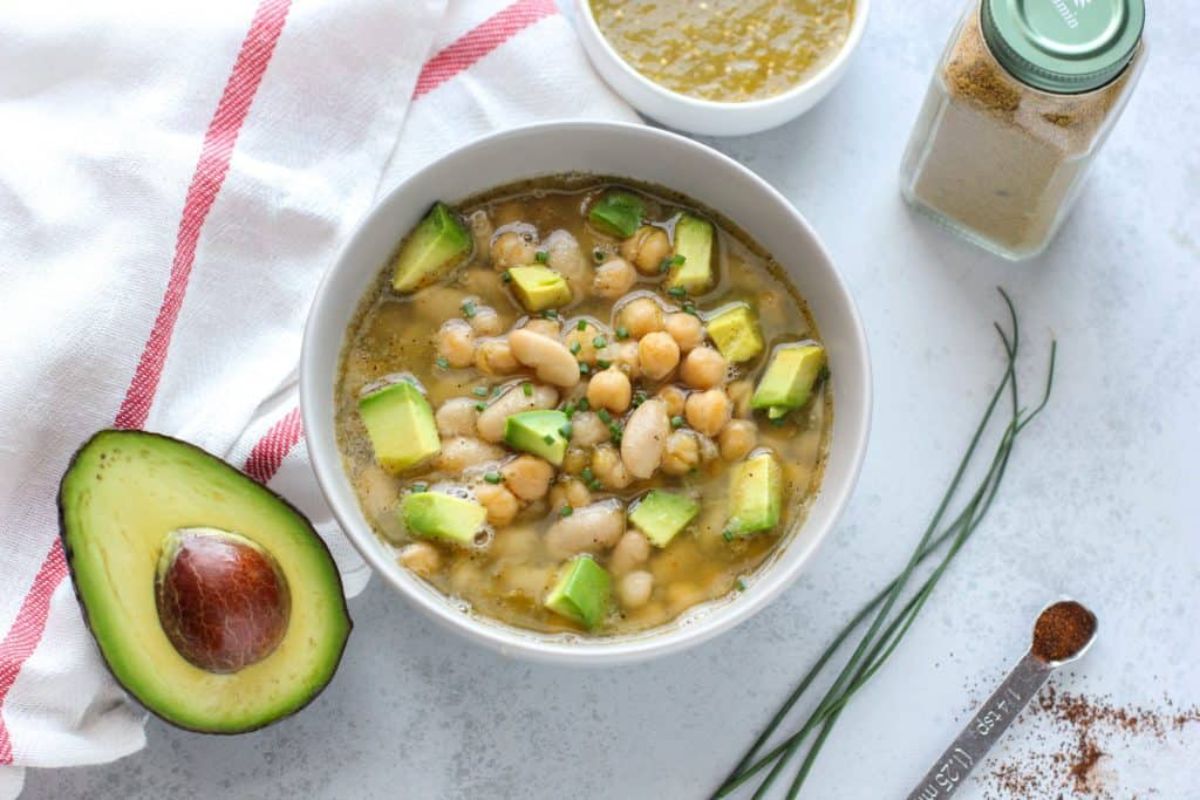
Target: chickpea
{"type": "Point", "coordinates": [627, 360]}
{"type": "Point", "coordinates": [686, 330]}
{"type": "Point", "coordinates": [608, 467]}
{"type": "Point", "coordinates": [421, 557]}
{"type": "Point", "coordinates": [682, 453]}
{"type": "Point", "coordinates": [571, 493]}
{"type": "Point", "coordinates": [528, 477]}
{"type": "Point", "coordinates": [640, 316]}
{"type": "Point", "coordinates": [647, 249]}
{"type": "Point", "coordinates": [494, 357]}
{"type": "Point", "coordinates": [456, 343]}
{"type": "Point", "coordinates": [703, 368]}
{"type": "Point", "coordinates": [707, 412]}
{"type": "Point", "coordinates": [576, 458]}
{"type": "Point", "coordinates": [740, 393]}
{"type": "Point", "coordinates": [582, 343]}
{"type": "Point", "coordinates": [513, 249]}
{"type": "Point", "coordinates": [501, 504]}
{"type": "Point", "coordinates": [486, 322]}
{"type": "Point", "coordinates": [674, 397]}
{"type": "Point", "coordinates": [708, 448]}
{"type": "Point", "coordinates": [456, 417]}
{"type": "Point", "coordinates": [614, 278]}
{"type": "Point", "coordinates": [738, 439]}
{"type": "Point", "coordinates": [659, 355]}
{"type": "Point", "coordinates": [631, 551]}
{"type": "Point", "coordinates": [610, 389]}
{"type": "Point", "coordinates": [633, 590]}
{"type": "Point", "coordinates": [546, 327]}
{"type": "Point", "coordinates": [588, 430]}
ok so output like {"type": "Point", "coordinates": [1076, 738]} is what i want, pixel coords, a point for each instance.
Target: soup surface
{"type": "Point", "coordinates": [609, 448]}
{"type": "Point", "coordinates": [726, 50]}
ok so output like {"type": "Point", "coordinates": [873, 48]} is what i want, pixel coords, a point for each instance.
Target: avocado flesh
{"type": "Point", "coordinates": [694, 243]}
{"type": "Point", "coordinates": [539, 433]}
{"type": "Point", "coordinates": [736, 334]}
{"type": "Point", "coordinates": [436, 515]}
{"type": "Point", "coordinates": [788, 382]}
{"type": "Point", "coordinates": [756, 495]}
{"type": "Point", "coordinates": [539, 288]}
{"type": "Point", "coordinates": [122, 496]}
{"type": "Point", "coordinates": [439, 242]}
{"type": "Point", "coordinates": [582, 592]}
{"type": "Point", "coordinates": [400, 424]}
{"type": "Point", "coordinates": [662, 515]}
{"type": "Point", "coordinates": [617, 214]}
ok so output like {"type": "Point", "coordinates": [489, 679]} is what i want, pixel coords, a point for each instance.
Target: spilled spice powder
{"type": "Point", "coordinates": [1062, 630]}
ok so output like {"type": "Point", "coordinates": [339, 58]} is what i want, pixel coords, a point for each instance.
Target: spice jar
{"type": "Point", "coordinates": [1021, 101]}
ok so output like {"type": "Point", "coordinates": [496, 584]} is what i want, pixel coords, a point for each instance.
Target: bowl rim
{"type": "Point", "coordinates": [578, 650]}
{"type": "Point", "coordinates": [813, 84]}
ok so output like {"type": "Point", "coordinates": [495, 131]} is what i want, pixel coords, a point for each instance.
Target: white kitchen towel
{"type": "Point", "coordinates": [174, 178]}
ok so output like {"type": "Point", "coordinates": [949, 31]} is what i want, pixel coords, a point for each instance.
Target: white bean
{"type": "Point", "coordinates": [491, 420]}
{"type": "Point", "coordinates": [588, 430]}
{"type": "Point", "coordinates": [588, 530]}
{"type": "Point", "coordinates": [614, 278]}
{"type": "Point", "coordinates": [634, 589]}
{"type": "Point", "coordinates": [456, 417]}
{"type": "Point", "coordinates": [550, 358]}
{"type": "Point", "coordinates": [645, 437]}
{"type": "Point", "coordinates": [463, 452]}
{"type": "Point", "coordinates": [630, 553]}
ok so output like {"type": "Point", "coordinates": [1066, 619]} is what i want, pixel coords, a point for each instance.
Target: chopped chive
{"type": "Point", "coordinates": [480, 406]}
{"type": "Point", "coordinates": [622, 332]}
{"type": "Point", "coordinates": [548, 439]}
{"type": "Point", "coordinates": [569, 410]}
{"type": "Point", "coordinates": [566, 511]}
{"type": "Point", "coordinates": [442, 362]}
{"type": "Point", "coordinates": [527, 388]}
{"type": "Point", "coordinates": [495, 391]}
{"type": "Point", "coordinates": [549, 313]}
{"type": "Point", "coordinates": [541, 256]}
{"type": "Point", "coordinates": [468, 309]}
{"type": "Point", "coordinates": [587, 474]}
{"type": "Point", "coordinates": [581, 325]}
{"type": "Point", "coordinates": [639, 397]}
{"type": "Point", "coordinates": [583, 404]}
{"type": "Point", "coordinates": [603, 363]}
{"type": "Point", "coordinates": [566, 431]}
{"type": "Point", "coordinates": [584, 369]}
{"type": "Point", "coordinates": [575, 348]}
{"type": "Point", "coordinates": [672, 261]}
{"type": "Point", "coordinates": [604, 416]}
{"type": "Point", "coordinates": [727, 535]}
{"type": "Point", "coordinates": [779, 423]}
{"type": "Point", "coordinates": [506, 276]}
{"type": "Point", "coordinates": [597, 255]}
{"type": "Point", "coordinates": [420, 487]}
{"type": "Point", "coordinates": [676, 421]}
{"type": "Point", "coordinates": [480, 391]}
{"type": "Point", "coordinates": [599, 342]}
{"type": "Point", "coordinates": [677, 291]}
{"type": "Point", "coordinates": [690, 308]}
{"type": "Point", "coordinates": [493, 477]}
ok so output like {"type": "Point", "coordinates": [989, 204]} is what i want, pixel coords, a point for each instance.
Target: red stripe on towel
{"type": "Point", "coordinates": [215, 154]}
{"type": "Point", "coordinates": [268, 453]}
{"type": "Point", "coordinates": [481, 40]}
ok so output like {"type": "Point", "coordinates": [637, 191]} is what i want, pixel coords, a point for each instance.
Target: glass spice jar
{"type": "Point", "coordinates": [1021, 101]}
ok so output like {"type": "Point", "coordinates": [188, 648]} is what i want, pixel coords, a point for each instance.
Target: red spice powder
{"type": "Point", "coordinates": [1062, 630]}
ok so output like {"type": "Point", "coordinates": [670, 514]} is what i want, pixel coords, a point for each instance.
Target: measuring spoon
{"type": "Point", "coordinates": [993, 718]}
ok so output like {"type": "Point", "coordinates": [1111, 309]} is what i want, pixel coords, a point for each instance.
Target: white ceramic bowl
{"type": "Point", "coordinates": [649, 155]}
{"type": "Point", "coordinates": [709, 117]}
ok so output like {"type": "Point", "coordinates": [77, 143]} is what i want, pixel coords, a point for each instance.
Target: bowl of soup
{"type": "Point", "coordinates": [721, 67]}
{"type": "Point", "coordinates": [585, 392]}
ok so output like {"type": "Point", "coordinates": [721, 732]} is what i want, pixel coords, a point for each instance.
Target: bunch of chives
{"type": "Point", "coordinates": [887, 629]}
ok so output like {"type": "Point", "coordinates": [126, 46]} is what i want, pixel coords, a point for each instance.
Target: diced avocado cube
{"type": "Point", "coordinates": [736, 333]}
{"type": "Point", "coordinates": [400, 425]}
{"type": "Point", "coordinates": [694, 244]}
{"type": "Point", "coordinates": [439, 242]}
{"type": "Point", "coordinates": [756, 495]}
{"type": "Point", "coordinates": [582, 592]}
{"type": "Point", "coordinates": [788, 382]}
{"type": "Point", "coordinates": [618, 214]}
{"type": "Point", "coordinates": [661, 515]}
{"type": "Point", "coordinates": [538, 432]}
{"type": "Point", "coordinates": [539, 288]}
{"type": "Point", "coordinates": [436, 515]}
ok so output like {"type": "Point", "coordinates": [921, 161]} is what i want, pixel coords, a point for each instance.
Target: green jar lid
{"type": "Point", "coordinates": [1063, 46]}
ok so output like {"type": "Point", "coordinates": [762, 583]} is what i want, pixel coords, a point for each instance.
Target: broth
{"type": "Point", "coordinates": [507, 571]}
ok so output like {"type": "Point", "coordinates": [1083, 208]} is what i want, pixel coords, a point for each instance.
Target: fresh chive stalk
{"type": "Point", "coordinates": [884, 636]}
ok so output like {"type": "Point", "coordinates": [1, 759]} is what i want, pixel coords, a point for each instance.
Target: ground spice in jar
{"type": "Point", "coordinates": [997, 159]}
{"type": "Point", "coordinates": [1062, 630]}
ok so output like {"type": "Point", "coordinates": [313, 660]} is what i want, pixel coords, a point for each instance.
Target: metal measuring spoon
{"type": "Point", "coordinates": [993, 718]}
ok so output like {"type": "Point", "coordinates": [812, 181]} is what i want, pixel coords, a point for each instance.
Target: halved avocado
{"type": "Point", "coordinates": [155, 528]}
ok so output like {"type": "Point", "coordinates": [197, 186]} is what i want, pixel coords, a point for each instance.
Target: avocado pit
{"type": "Point", "coordinates": [222, 600]}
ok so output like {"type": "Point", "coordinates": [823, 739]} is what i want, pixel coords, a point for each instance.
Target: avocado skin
{"type": "Point", "coordinates": [69, 555]}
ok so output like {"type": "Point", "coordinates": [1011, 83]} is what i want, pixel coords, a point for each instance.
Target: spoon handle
{"type": "Point", "coordinates": [984, 730]}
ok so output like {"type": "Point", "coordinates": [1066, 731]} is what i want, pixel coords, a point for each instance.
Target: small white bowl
{"type": "Point", "coordinates": [655, 157]}
{"type": "Point", "coordinates": [709, 117]}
